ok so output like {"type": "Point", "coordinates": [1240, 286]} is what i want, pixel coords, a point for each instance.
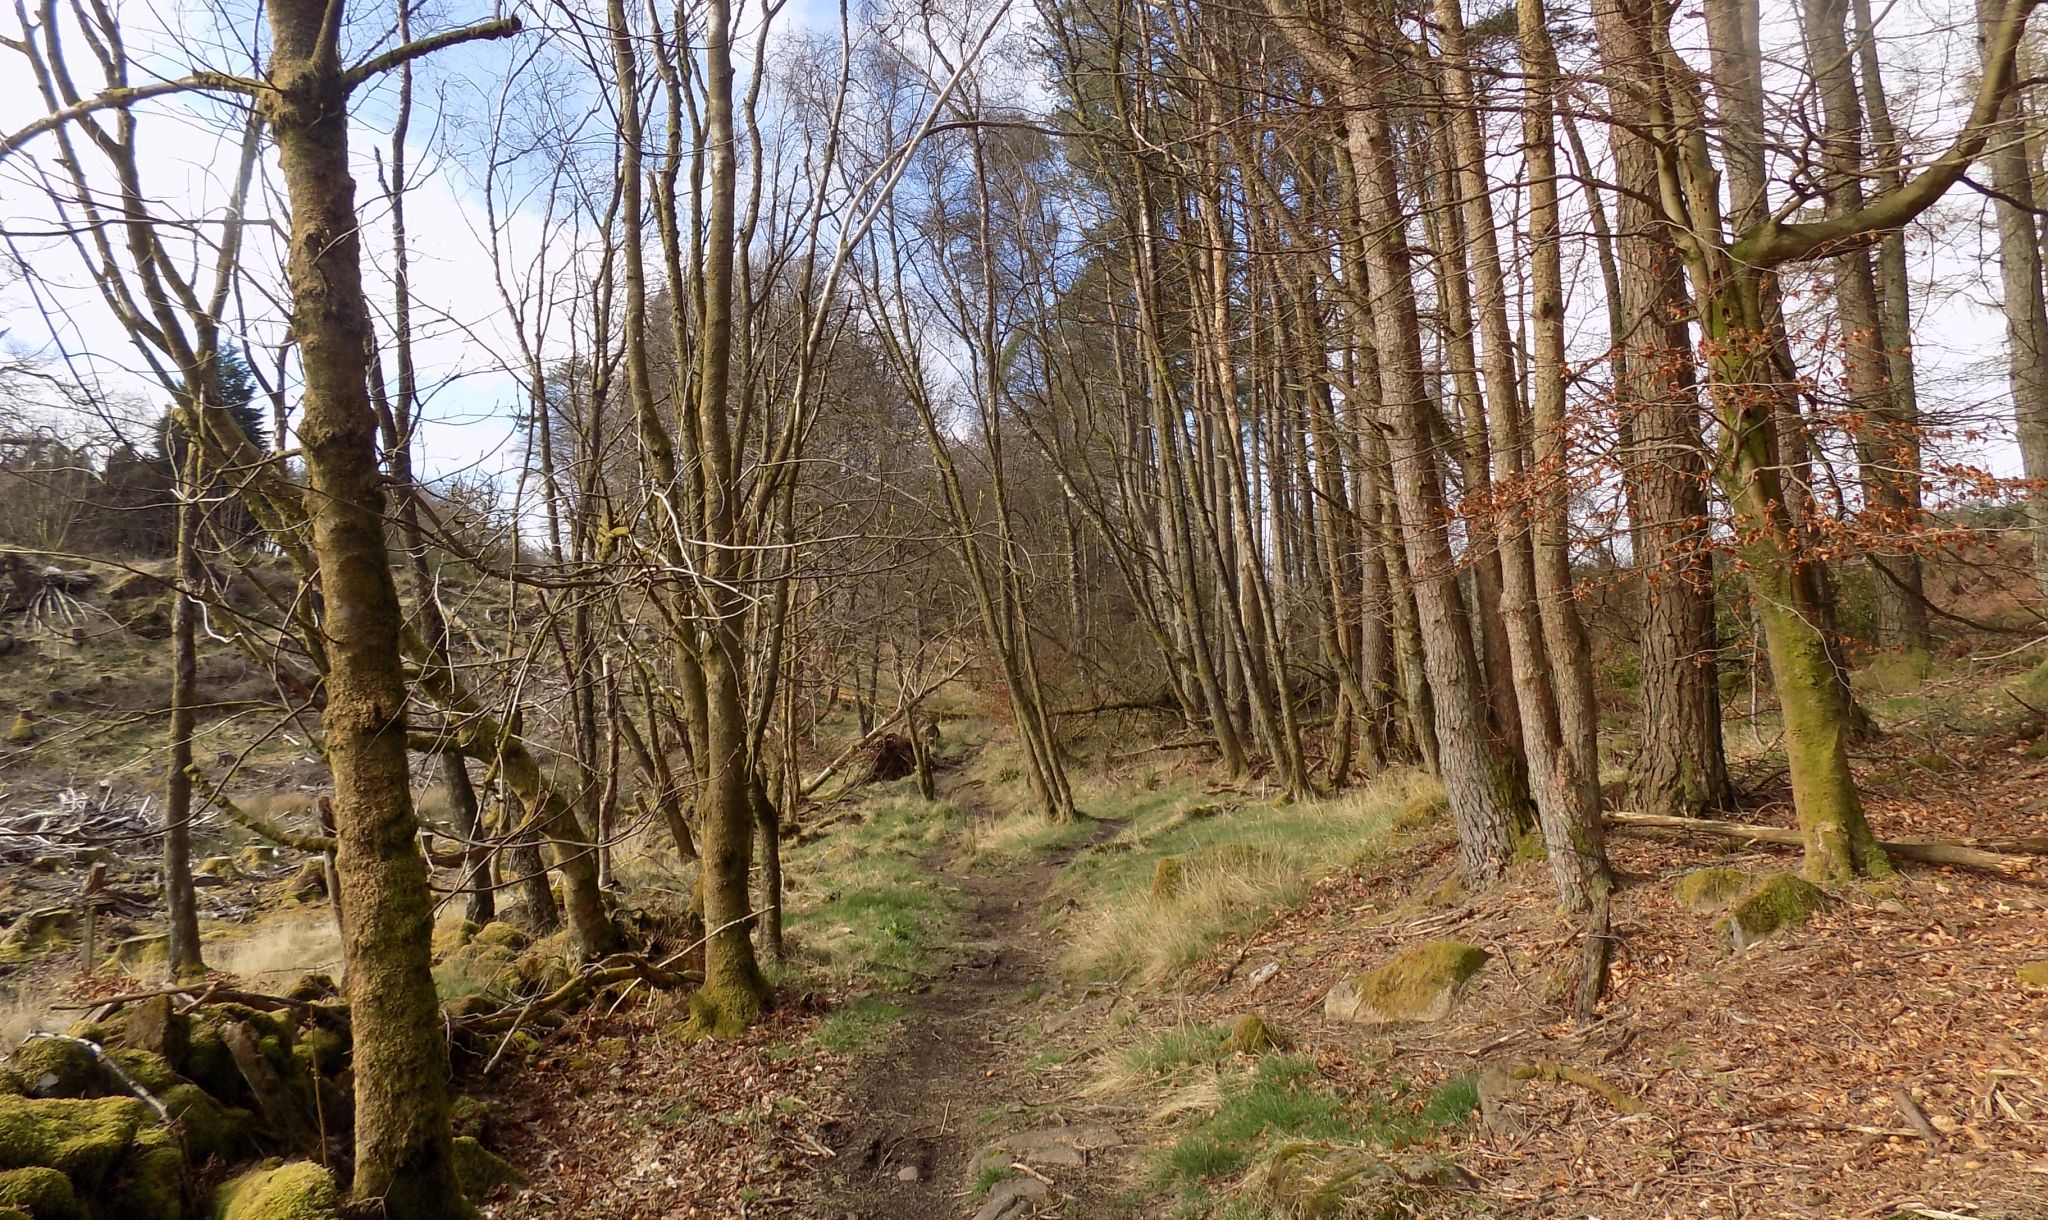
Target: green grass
{"type": "Point", "coordinates": [1285, 1098]}
{"type": "Point", "coordinates": [1171, 1052]}
{"type": "Point", "coordinates": [1281, 1098]}
{"type": "Point", "coordinates": [858, 1026]}
{"type": "Point", "coordinates": [987, 1180]}
{"type": "Point", "coordinates": [872, 909]}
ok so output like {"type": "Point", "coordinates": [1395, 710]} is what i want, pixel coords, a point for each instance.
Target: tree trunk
{"type": "Point", "coordinates": [1681, 769]}
{"type": "Point", "coordinates": [1571, 772]}
{"type": "Point", "coordinates": [1839, 843]}
{"type": "Point", "coordinates": [734, 991]}
{"type": "Point", "coordinates": [403, 1150]}
{"type": "Point", "coordinates": [1477, 779]}
{"type": "Point", "coordinates": [1887, 446]}
{"type": "Point", "coordinates": [180, 901]}
{"type": "Point", "coordinates": [2026, 312]}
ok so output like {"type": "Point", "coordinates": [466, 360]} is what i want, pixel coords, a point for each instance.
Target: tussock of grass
{"type": "Point", "coordinates": [1280, 1098]}
{"type": "Point", "coordinates": [1234, 867]}
{"type": "Point", "coordinates": [1187, 1046]}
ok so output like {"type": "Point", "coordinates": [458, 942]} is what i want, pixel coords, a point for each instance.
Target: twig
{"type": "Point", "coordinates": [113, 1069]}
{"type": "Point", "coordinates": [1917, 1117]}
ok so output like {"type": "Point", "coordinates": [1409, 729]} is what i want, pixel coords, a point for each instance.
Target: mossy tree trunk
{"type": "Point", "coordinates": [403, 1149]}
{"type": "Point", "coordinates": [180, 900]}
{"type": "Point", "coordinates": [1731, 268]}
{"type": "Point", "coordinates": [734, 991]}
{"type": "Point", "coordinates": [1839, 843]}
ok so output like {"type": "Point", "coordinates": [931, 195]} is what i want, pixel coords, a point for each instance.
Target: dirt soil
{"type": "Point", "coordinates": [957, 1078]}
{"type": "Point", "coordinates": [621, 1118]}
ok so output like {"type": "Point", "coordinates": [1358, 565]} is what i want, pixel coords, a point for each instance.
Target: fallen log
{"type": "Point", "coordinates": [1924, 851]}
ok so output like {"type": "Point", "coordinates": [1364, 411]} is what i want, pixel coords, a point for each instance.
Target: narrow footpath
{"type": "Point", "coordinates": [952, 1103]}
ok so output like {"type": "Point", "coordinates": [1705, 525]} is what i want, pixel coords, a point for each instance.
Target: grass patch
{"type": "Point", "coordinates": [872, 909]}
{"type": "Point", "coordinates": [1283, 1098]}
{"type": "Point", "coordinates": [987, 1180]}
{"type": "Point", "coordinates": [994, 843]}
{"type": "Point", "coordinates": [1229, 870]}
{"type": "Point", "coordinates": [1169, 1054]}
{"type": "Point", "coordinates": [858, 1026]}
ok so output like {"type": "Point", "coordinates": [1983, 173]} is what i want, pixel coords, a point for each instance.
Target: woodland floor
{"type": "Point", "coordinates": [1769, 1080]}
{"type": "Point", "coordinates": [941, 1049]}
{"type": "Point", "coordinates": [747, 1129]}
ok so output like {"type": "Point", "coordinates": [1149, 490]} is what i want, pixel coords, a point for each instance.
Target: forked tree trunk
{"type": "Point", "coordinates": [1839, 842]}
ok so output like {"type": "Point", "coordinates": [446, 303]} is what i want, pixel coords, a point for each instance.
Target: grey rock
{"type": "Point", "coordinates": [1011, 1198]}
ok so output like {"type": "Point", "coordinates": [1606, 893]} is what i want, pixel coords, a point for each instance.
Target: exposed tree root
{"type": "Point", "coordinates": [1560, 1073]}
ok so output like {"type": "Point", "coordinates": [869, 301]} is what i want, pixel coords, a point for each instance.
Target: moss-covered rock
{"type": "Point", "coordinates": [39, 931]}
{"type": "Point", "coordinates": [220, 868]}
{"type": "Point", "coordinates": [1779, 902]}
{"type": "Point", "coordinates": [540, 971]}
{"type": "Point", "coordinates": [209, 1064]}
{"type": "Point", "coordinates": [1711, 890]}
{"type": "Point", "coordinates": [325, 1048]}
{"type": "Point", "coordinates": [211, 1129]}
{"type": "Point", "coordinates": [498, 932]}
{"type": "Point", "coordinates": [309, 884]}
{"type": "Point", "coordinates": [58, 1067]}
{"type": "Point", "coordinates": [153, 1025]}
{"type": "Point", "coordinates": [152, 1072]}
{"type": "Point", "coordinates": [140, 954]}
{"type": "Point", "coordinates": [150, 1183]}
{"type": "Point", "coordinates": [451, 935]}
{"type": "Point", "coordinates": [83, 1139]}
{"type": "Point", "coordinates": [2033, 974]}
{"type": "Point", "coordinates": [471, 1116]}
{"type": "Point", "coordinates": [1421, 983]}
{"type": "Point", "coordinates": [257, 856]}
{"type": "Point", "coordinates": [314, 988]}
{"type": "Point", "coordinates": [480, 1170]}
{"type": "Point", "coordinates": [41, 1192]}
{"type": "Point", "coordinates": [1251, 1036]}
{"type": "Point", "coordinates": [299, 1190]}
{"type": "Point", "coordinates": [9, 1213]}
{"type": "Point", "coordinates": [474, 969]}
{"type": "Point", "coordinates": [1322, 1181]}
{"type": "Point", "coordinates": [11, 1083]}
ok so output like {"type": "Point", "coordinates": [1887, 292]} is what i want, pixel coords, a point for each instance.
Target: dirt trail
{"type": "Point", "coordinates": [907, 1145]}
